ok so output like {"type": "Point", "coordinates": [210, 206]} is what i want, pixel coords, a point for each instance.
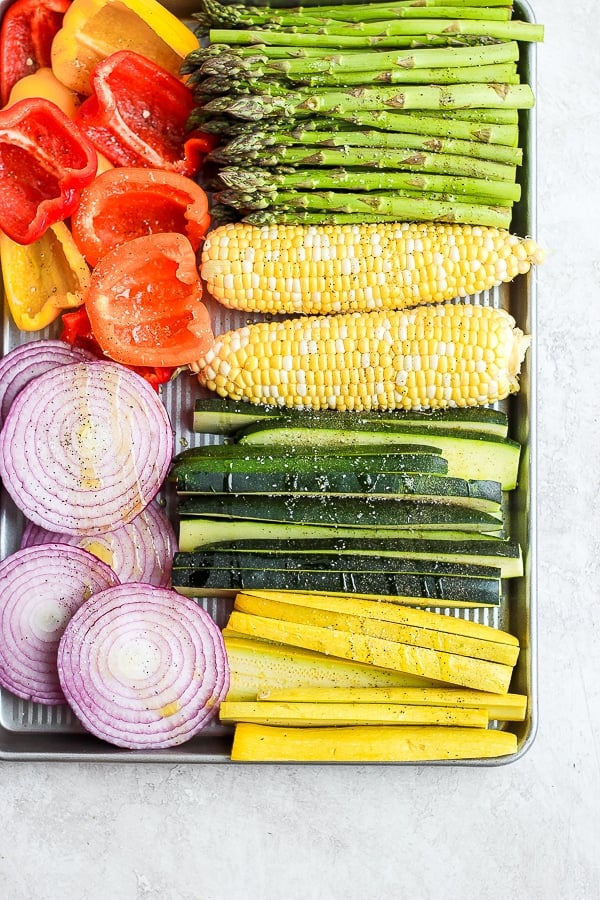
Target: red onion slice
{"type": "Point", "coordinates": [85, 447]}
{"type": "Point", "coordinates": [143, 667]}
{"type": "Point", "coordinates": [40, 589]}
{"type": "Point", "coordinates": [26, 362]}
{"type": "Point", "coordinates": [141, 550]}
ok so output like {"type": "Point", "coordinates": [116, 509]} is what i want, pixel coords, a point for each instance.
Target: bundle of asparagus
{"type": "Point", "coordinates": [351, 112]}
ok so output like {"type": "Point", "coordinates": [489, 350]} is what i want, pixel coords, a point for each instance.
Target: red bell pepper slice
{"type": "Point", "coordinates": [137, 116]}
{"type": "Point", "coordinates": [125, 203]}
{"type": "Point", "coordinates": [44, 163]}
{"type": "Point", "coordinates": [77, 331]}
{"type": "Point", "coordinates": [145, 303]}
{"type": "Point", "coordinates": [26, 35]}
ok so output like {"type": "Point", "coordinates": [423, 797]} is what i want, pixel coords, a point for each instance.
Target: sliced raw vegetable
{"type": "Point", "coordinates": [402, 581]}
{"type": "Point", "coordinates": [505, 707]}
{"type": "Point", "coordinates": [469, 455]}
{"type": "Point", "coordinates": [143, 668]}
{"type": "Point", "coordinates": [93, 29]}
{"type": "Point", "coordinates": [145, 302]}
{"type": "Point", "coordinates": [138, 114]}
{"type": "Point", "coordinates": [24, 363]}
{"type": "Point", "coordinates": [43, 278]}
{"type": "Point", "coordinates": [227, 417]}
{"type": "Point", "coordinates": [28, 29]}
{"type": "Point", "coordinates": [141, 550]}
{"type": "Point", "coordinates": [505, 555]}
{"type": "Point", "coordinates": [392, 513]}
{"type": "Point", "coordinates": [127, 202]}
{"type": "Point", "coordinates": [368, 743]}
{"type": "Point", "coordinates": [354, 713]}
{"type": "Point", "coordinates": [85, 447]}
{"type": "Point", "coordinates": [40, 589]}
{"type": "Point", "coordinates": [45, 160]}
{"type": "Point", "coordinates": [256, 666]}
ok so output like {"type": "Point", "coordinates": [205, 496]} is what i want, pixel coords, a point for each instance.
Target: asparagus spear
{"type": "Point", "coordinates": [253, 84]}
{"type": "Point", "coordinates": [308, 102]}
{"type": "Point", "coordinates": [378, 34]}
{"type": "Point", "coordinates": [390, 204]}
{"type": "Point", "coordinates": [261, 140]}
{"type": "Point", "coordinates": [249, 180]}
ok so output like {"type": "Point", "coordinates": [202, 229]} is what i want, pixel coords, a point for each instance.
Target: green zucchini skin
{"type": "Point", "coordinates": [484, 495]}
{"type": "Point", "coordinates": [359, 512]}
{"type": "Point", "coordinates": [470, 455]}
{"type": "Point", "coordinates": [414, 589]}
{"type": "Point", "coordinates": [502, 554]}
{"type": "Point", "coordinates": [196, 531]}
{"type": "Point", "coordinates": [228, 417]}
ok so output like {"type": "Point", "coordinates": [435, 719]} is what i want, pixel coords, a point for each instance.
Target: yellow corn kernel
{"type": "Point", "coordinates": [429, 354]}
{"type": "Point", "coordinates": [354, 268]}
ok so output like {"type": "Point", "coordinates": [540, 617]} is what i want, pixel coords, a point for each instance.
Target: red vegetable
{"type": "Point", "coordinates": [77, 331]}
{"type": "Point", "coordinates": [24, 363]}
{"type": "Point", "coordinates": [125, 203]}
{"type": "Point", "coordinates": [26, 35]}
{"type": "Point", "coordinates": [85, 447]}
{"type": "Point", "coordinates": [138, 113]}
{"type": "Point", "coordinates": [44, 162]}
{"type": "Point", "coordinates": [143, 667]}
{"type": "Point", "coordinates": [141, 550]}
{"type": "Point", "coordinates": [145, 303]}
{"type": "Point", "coordinates": [40, 589]}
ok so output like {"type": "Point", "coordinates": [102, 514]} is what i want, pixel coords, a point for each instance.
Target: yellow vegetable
{"type": "Point", "coordinates": [430, 357]}
{"type": "Point", "coordinates": [93, 29]}
{"type": "Point", "coordinates": [368, 743]}
{"type": "Point", "coordinates": [44, 278]}
{"type": "Point", "coordinates": [355, 268]}
{"type": "Point", "coordinates": [44, 83]}
{"type": "Point", "coordinates": [320, 714]}
{"type": "Point", "coordinates": [376, 625]}
{"type": "Point", "coordinates": [439, 665]}
{"type": "Point", "coordinates": [256, 666]}
{"type": "Point", "coordinates": [504, 707]}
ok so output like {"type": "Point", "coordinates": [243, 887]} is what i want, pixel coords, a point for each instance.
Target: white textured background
{"type": "Point", "coordinates": [527, 831]}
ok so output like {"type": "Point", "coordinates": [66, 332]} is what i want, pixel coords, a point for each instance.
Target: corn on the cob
{"type": "Point", "coordinates": [429, 357]}
{"type": "Point", "coordinates": [321, 269]}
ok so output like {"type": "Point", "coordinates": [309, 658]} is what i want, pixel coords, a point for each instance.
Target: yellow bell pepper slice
{"type": "Point", "coordinates": [94, 29]}
{"type": "Point", "coordinates": [44, 278]}
{"type": "Point", "coordinates": [44, 83]}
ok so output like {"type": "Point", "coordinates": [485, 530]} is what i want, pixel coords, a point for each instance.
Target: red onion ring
{"type": "Point", "coordinates": [143, 667]}
{"type": "Point", "coordinates": [40, 589]}
{"type": "Point", "coordinates": [85, 447]}
{"type": "Point", "coordinates": [141, 550]}
{"type": "Point", "coordinates": [24, 363]}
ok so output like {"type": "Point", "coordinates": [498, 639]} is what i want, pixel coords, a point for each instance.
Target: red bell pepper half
{"type": "Point", "coordinates": [137, 116]}
{"type": "Point", "coordinates": [26, 35]}
{"type": "Point", "coordinates": [145, 303]}
{"type": "Point", "coordinates": [126, 202]}
{"type": "Point", "coordinates": [77, 331]}
{"type": "Point", "coordinates": [44, 162]}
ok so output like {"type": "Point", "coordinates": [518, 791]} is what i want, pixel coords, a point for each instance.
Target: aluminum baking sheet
{"type": "Point", "coordinates": [34, 732]}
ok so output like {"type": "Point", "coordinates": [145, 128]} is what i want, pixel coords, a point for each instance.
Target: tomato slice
{"type": "Point", "coordinates": [125, 203]}
{"type": "Point", "coordinates": [145, 303]}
